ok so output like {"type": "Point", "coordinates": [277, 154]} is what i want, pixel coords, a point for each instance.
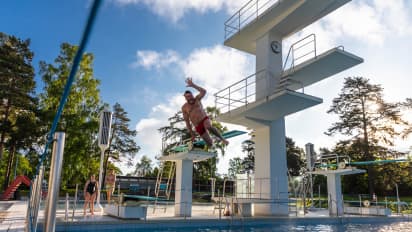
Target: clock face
{"type": "Point", "coordinates": [275, 46]}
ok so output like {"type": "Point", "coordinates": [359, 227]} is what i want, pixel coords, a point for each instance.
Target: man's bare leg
{"type": "Point", "coordinates": [214, 131]}
{"type": "Point", "coordinates": [206, 137]}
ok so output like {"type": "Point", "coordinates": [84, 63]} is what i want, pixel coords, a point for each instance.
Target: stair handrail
{"type": "Point", "coordinates": [292, 49]}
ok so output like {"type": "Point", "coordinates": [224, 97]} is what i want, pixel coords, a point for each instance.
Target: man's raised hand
{"type": "Point", "coordinates": [189, 82]}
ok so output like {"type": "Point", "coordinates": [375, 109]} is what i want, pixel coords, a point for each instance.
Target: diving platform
{"type": "Point", "coordinates": [193, 155]}
{"type": "Point", "coordinates": [335, 198]}
{"type": "Point", "coordinates": [319, 67]}
{"type": "Point", "coordinates": [280, 17]}
{"type": "Point", "coordinates": [271, 108]}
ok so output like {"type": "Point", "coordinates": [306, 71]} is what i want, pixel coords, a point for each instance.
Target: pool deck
{"type": "Point", "coordinates": [13, 219]}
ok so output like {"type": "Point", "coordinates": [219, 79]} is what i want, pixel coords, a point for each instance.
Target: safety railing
{"type": "Point", "coordinates": [247, 14]}
{"type": "Point", "coordinates": [300, 51]}
{"type": "Point", "coordinates": [243, 92]}
{"type": "Point", "coordinates": [36, 192]}
{"type": "Point", "coordinates": [238, 94]}
{"type": "Point", "coordinates": [333, 161]}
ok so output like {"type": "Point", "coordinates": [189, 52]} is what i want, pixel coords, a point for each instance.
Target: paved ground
{"type": "Point", "coordinates": [13, 213]}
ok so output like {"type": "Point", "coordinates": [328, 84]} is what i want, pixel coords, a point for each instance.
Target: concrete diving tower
{"type": "Point", "coordinates": [262, 100]}
{"type": "Point", "coordinates": [184, 177]}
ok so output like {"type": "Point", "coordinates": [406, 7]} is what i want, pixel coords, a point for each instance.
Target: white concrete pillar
{"type": "Point", "coordinates": [335, 194]}
{"type": "Point", "coordinates": [269, 60]}
{"type": "Point", "coordinates": [183, 191]}
{"type": "Point", "coordinates": [271, 181]}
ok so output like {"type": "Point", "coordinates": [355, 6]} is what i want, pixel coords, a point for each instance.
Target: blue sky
{"type": "Point", "coordinates": [145, 48]}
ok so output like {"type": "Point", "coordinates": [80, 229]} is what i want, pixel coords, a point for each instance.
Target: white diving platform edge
{"type": "Point", "coordinates": [275, 106]}
{"type": "Point", "coordinates": [194, 155]}
{"type": "Point", "coordinates": [320, 67]}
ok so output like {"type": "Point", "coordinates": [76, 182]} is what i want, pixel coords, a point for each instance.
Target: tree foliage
{"type": "Point", "coordinates": [121, 143]}
{"type": "Point", "coordinates": [367, 119]}
{"type": "Point", "coordinates": [18, 108]}
{"type": "Point", "coordinates": [79, 119]}
{"type": "Point", "coordinates": [143, 167]}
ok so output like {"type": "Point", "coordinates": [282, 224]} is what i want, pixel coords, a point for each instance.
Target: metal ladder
{"type": "Point", "coordinates": [164, 189]}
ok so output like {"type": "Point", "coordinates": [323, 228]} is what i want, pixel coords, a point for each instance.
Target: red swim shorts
{"type": "Point", "coordinates": [200, 128]}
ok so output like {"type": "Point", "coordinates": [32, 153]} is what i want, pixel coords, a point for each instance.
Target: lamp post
{"type": "Point", "coordinates": [104, 135]}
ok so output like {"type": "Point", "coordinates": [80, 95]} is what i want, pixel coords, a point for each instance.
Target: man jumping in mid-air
{"type": "Point", "coordinates": [193, 112]}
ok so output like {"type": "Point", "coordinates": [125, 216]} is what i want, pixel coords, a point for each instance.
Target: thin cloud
{"type": "Point", "coordinates": [155, 60]}
{"type": "Point", "coordinates": [174, 10]}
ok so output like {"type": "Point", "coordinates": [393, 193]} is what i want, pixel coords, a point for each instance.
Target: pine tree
{"type": "Point", "coordinates": [17, 83]}
{"type": "Point", "coordinates": [17, 99]}
{"type": "Point", "coordinates": [121, 142]}
{"type": "Point", "coordinates": [366, 118]}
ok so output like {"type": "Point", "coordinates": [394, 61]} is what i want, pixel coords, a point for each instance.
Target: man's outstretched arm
{"type": "Point", "coordinates": [202, 91]}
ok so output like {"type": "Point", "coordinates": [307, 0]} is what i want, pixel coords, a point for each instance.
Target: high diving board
{"type": "Point", "coordinates": [372, 162]}
{"type": "Point", "coordinates": [194, 155]}
{"type": "Point", "coordinates": [263, 111]}
{"type": "Point", "coordinates": [283, 17]}
{"type": "Point", "coordinates": [320, 67]}
{"type": "Point", "coordinates": [143, 198]}
{"type": "Point", "coordinates": [183, 152]}
{"type": "Point", "coordinates": [226, 135]}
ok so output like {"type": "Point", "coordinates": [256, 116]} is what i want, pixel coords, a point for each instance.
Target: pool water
{"type": "Point", "coordinates": [398, 226]}
{"type": "Point", "coordinates": [347, 227]}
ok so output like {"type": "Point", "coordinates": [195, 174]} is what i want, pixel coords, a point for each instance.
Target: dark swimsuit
{"type": "Point", "coordinates": [91, 187]}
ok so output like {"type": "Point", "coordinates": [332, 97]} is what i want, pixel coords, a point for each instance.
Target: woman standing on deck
{"type": "Point", "coordinates": [110, 184]}
{"type": "Point", "coordinates": [91, 189]}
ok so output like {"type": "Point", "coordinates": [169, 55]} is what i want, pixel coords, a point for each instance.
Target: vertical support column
{"type": "Point", "coordinates": [183, 191]}
{"type": "Point", "coordinates": [271, 169]}
{"type": "Point", "coordinates": [270, 61]}
{"type": "Point", "coordinates": [335, 194]}
{"type": "Point", "coordinates": [54, 182]}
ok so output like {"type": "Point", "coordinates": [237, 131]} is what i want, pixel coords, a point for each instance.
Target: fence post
{"type": "Point", "coordinates": [54, 182]}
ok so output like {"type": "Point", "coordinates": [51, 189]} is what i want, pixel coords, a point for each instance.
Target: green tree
{"type": "Point", "coordinates": [121, 143]}
{"type": "Point", "coordinates": [235, 167]}
{"type": "Point", "coordinates": [17, 100]}
{"type": "Point", "coordinates": [366, 118]}
{"type": "Point", "coordinates": [407, 105]}
{"type": "Point", "coordinates": [144, 167]}
{"type": "Point", "coordinates": [23, 136]}
{"type": "Point", "coordinates": [294, 155]}
{"type": "Point", "coordinates": [80, 117]}
{"type": "Point", "coordinates": [248, 146]}
{"type": "Point", "coordinates": [17, 83]}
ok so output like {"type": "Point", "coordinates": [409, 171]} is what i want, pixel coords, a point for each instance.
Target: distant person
{"type": "Point", "coordinates": [194, 113]}
{"type": "Point", "coordinates": [110, 184]}
{"type": "Point", "coordinates": [91, 189]}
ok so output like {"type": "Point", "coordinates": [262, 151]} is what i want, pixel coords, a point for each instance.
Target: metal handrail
{"type": "Point", "coordinates": [299, 45]}
{"type": "Point", "coordinates": [250, 11]}
{"type": "Point", "coordinates": [236, 88]}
